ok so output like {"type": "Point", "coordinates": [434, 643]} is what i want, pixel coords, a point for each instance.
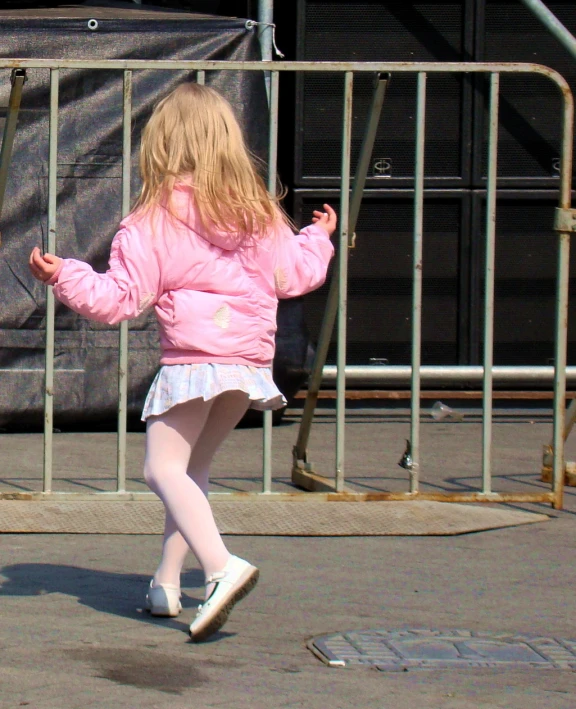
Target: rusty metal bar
{"type": "Point", "coordinates": [301, 497]}
{"type": "Point", "coordinates": [489, 373]}
{"type": "Point", "coordinates": [380, 84]}
{"type": "Point", "coordinates": [17, 79]}
{"type": "Point", "coordinates": [570, 419]}
{"type": "Point", "coordinates": [364, 67]}
{"type": "Point", "coordinates": [558, 434]}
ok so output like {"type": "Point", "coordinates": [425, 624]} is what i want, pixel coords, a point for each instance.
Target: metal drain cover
{"type": "Point", "coordinates": [390, 650]}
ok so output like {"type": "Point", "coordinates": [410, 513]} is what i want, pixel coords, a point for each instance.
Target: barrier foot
{"type": "Point", "coordinates": [547, 462]}
{"type": "Point", "coordinates": [304, 477]}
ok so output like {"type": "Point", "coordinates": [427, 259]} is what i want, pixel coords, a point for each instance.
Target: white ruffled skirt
{"type": "Point", "coordinates": [176, 383]}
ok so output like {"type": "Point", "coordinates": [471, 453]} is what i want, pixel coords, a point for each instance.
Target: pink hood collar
{"type": "Point", "coordinates": [185, 212]}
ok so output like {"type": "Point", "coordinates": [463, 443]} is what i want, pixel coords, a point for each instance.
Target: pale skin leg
{"type": "Point", "coordinates": [202, 434]}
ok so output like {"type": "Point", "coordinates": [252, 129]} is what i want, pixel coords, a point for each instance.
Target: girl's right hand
{"type": "Point", "coordinates": [327, 219]}
{"type": "Point", "coordinates": [43, 266]}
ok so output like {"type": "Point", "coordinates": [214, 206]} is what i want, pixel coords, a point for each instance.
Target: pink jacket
{"type": "Point", "coordinates": [215, 295]}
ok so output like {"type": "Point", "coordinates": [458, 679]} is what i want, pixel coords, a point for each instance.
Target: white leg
{"type": "Point", "coordinates": [224, 413]}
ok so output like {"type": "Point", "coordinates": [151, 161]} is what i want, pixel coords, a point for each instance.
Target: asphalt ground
{"type": "Point", "coordinates": [73, 633]}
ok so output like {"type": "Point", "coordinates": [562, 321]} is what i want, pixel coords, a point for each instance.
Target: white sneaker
{"type": "Point", "coordinates": [231, 584]}
{"type": "Point", "coordinates": [163, 600]}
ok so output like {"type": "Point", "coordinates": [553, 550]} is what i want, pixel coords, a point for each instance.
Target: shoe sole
{"type": "Point", "coordinates": [163, 612]}
{"type": "Point", "coordinates": [214, 624]}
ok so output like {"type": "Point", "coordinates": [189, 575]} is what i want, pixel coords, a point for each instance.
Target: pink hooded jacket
{"type": "Point", "coordinates": [215, 294]}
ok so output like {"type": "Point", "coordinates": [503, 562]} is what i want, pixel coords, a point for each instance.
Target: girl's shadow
{"type": "Point", "coordinates": [104, 591]}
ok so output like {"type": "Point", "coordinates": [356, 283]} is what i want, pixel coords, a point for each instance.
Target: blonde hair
{"type": "Point", "coordinates": [194, 136]}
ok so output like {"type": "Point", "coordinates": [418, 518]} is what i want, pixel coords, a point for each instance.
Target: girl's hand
{"type": "Point", "coordinates": [43, 267]}
{"type": "Point", "coordinates": [327, 219]}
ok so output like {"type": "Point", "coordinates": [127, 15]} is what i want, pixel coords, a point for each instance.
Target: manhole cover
{"type": "Point", "coordinates": [389, 650]}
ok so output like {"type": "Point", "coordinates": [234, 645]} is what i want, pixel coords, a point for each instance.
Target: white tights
{"type": "Point", "coordinates": [180, 445]}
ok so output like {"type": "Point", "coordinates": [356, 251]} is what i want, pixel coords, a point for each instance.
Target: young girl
{"type": "Point", "coordinates": [211, 250]}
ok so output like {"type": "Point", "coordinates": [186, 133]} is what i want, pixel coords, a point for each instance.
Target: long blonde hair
{"type": "Point", "coordinates": [194, 136]}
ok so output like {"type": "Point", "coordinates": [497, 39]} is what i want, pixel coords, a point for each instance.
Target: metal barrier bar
{"type": "Point", "coordinates": [489, 285]}
{"type": "Point", "coordinates": [17, 79]}
{"type": "Point", "coordinates": [444, 374]}
{"type": "Point", "coordinates": [552, 24]}
{"type": "Point", "coordinates": [558, 434]}
{"type": "Point", "coordinates": [380, 86]}
{"type": "Point", "coordinates": [331, 309]}
{"type": "Point", "coordinates": [265, 35]}
{"type": "Point", "coordinates": [343, 290]}
{"type": "Point", "coordinates": [329, 496]}
{"type": "Point", "coordinates": [416, 372]}
{"type": "Point", "coordinates": [50, 305]}
{"type": "Point", "coordinates": [414, 466]}
{"type": "Point", "coordinates": [267, 452]}
{"type": "Point", "coordinates": [201, 77]}
{"type": "Point", "coordinates": [123, 335]}
{"type": "Point", "coordinates": [356, 67]}
{"type": "Point", "coordinates": [272, 171]}
{"type": "Point", "coordinates": [548, 451]}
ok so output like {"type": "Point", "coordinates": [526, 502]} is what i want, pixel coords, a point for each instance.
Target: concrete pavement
{"type": "Point", "coordinates": [73, 634]}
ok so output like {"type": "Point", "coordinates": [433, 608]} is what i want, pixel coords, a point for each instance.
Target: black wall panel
{"type": "Point", "coordinates": [380, 276]}
{"type": "Point", "coordinates": [530, 117]}
{"type": "Point", "coordinates": [372, 30]}
{"type": "Point", "coordinates": [525, 278]}
{"type": "Point", "coordinates": [530, 106]}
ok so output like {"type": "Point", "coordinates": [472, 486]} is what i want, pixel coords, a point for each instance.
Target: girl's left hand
{"type": "Point", "coordinates": [43, 267]}
{"type": "Point", "coordinates": [326, 219]}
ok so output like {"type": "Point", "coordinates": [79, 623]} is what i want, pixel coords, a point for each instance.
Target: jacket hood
{"type": "Point", "coordinates": [185, 211]}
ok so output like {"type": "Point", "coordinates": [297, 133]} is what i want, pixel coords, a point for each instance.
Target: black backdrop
{"type": "Point", "coordinates": [89, 173]}
{"type": "Point", "coordinates": [455, 160]}
{"type": "Point", "coordinates": [89, 189]}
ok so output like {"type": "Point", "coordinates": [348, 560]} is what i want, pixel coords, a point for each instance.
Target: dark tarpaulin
{"type": "Point", "coordinates": [89, 189]}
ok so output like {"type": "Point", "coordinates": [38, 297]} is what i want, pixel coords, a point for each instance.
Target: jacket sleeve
{"type": "Point", "coordinates": [301, 260]}
{"type": "Point", "coordinates": [129, 286]}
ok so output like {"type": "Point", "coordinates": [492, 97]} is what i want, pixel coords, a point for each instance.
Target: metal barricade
{"type": "Point", "coordinates": [303, 476]}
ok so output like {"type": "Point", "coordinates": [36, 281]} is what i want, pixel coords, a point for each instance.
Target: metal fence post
{"type": "Point", "coordinates": [564, 234]}
{"type": "Point", "coordinates": [123, 335]}
{"type": "Point", "coordinates": [50, 305]}
{"type": "Point", "coordinates": [414, 465]}
{"type": "Point", "coordinates": [272, 170]}
{"type": "Point", "coordinates": [489, 285]}
{"type": "Point", "coordinates": [343, 280]}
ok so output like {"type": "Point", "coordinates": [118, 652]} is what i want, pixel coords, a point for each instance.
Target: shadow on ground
{"type": "Point", "coordinates": [105, 592]}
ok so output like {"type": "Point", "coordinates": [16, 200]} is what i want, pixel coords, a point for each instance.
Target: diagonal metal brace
{"type": "Point", "coordinates": [17, 79]}
{"type": "Point", "coordinates": [299, 453]}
